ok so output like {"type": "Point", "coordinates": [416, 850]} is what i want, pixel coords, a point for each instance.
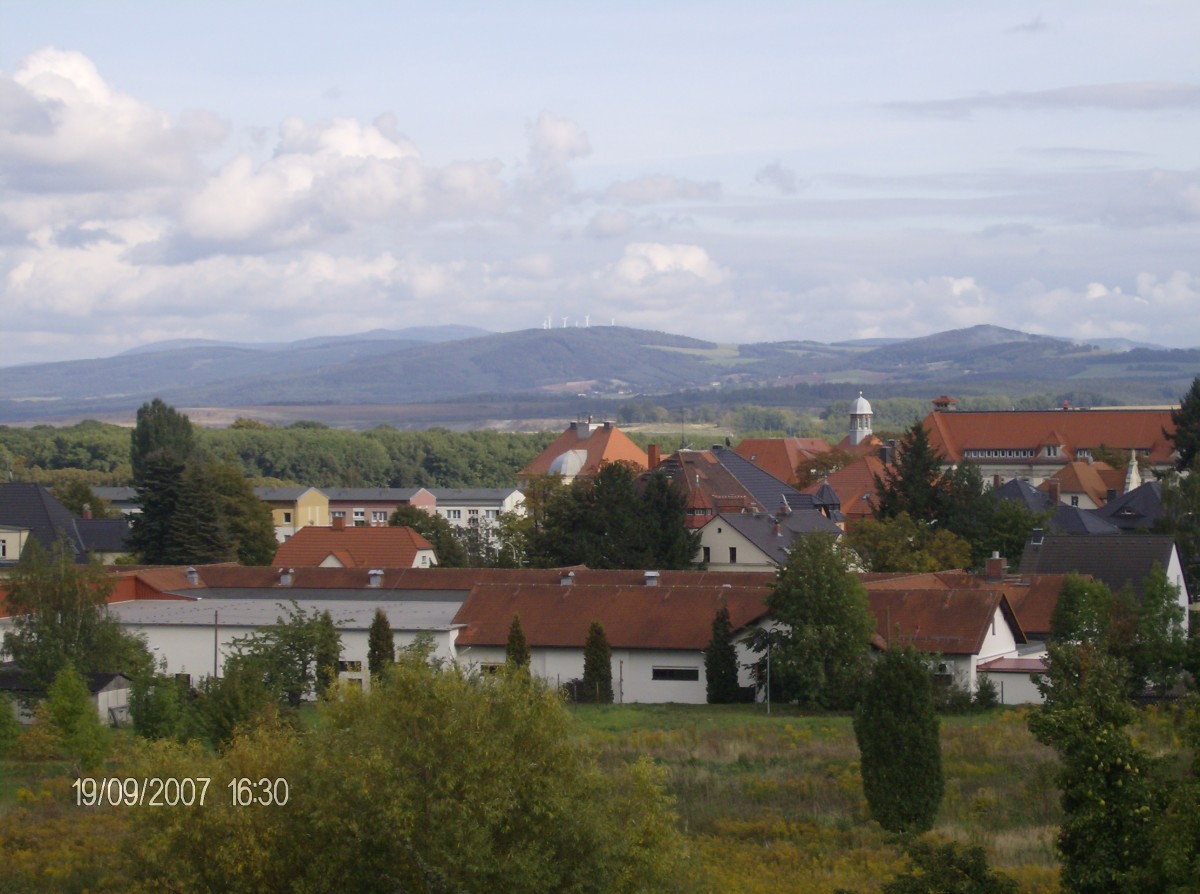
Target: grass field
{"type": "Point", "coordinates": [775, 803]}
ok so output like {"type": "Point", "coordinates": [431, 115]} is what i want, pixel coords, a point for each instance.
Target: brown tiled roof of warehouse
{"type": "Point", "coordinates": [948, 622]}
{"type": "Point", "coordinates": [382, 547]}
{"type": "Point", "coordinates": [634, 617]}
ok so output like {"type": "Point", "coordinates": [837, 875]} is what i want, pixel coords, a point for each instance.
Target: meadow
{"type": "Point", "coordinates": [767, 802]}
{"type": "Point", "coordinates": [775, 802]}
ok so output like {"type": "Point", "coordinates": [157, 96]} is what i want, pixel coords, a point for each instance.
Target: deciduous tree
{"type": "Point", "coordinates": [59, 617]}
{"type": "Point", "coordinates": [819, 649]}
{"type": "Point", "coordinates": [435, 529]}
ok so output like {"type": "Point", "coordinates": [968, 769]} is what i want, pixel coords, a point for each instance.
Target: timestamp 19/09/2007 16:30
{"type": "Point", "coordinates": [172, 791]}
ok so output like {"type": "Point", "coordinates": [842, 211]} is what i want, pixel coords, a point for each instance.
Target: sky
{"type": "Point", "coordinates": [268, 171]}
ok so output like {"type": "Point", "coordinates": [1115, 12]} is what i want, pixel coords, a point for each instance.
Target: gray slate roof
{"type": "Point", "coordinates": [759, 529]}
{"type": "Point", "coordinates": [32, 506]}
{"type": "Point", "coordinates": [1025, 493]}
{"type": "Point", "coordinates": [767, 490]}
{"type": "Point", "coordinates": [367, 494]}
{"type": "Point", "coordinates": [347, 614]}
{"type": "Point", "coordinates": [1116, 561]}
{"type": "Point", "coordinates": [1137, 509]}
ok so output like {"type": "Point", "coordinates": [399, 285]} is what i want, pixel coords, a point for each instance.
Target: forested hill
{"type": "Point", "coordinates": [393, 369]}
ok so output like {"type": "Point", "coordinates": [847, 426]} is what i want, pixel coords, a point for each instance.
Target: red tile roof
{"type": "Point", "coordinates": [955, 432]}
{"type": "Point", "coordinates": [382, 547]}
{"type": "Point", "coordinates": [592, 444]}
{"type": "Point", "coordinates": [634, 617]}
{"type": "Point", "coordinates": [781, 456]}
{"type": "Point", "coordinates": [1094, 479]}
{"type": "Point", "coordinates": [852, 483]}
{"type": "Point", "coordinates": [945, 621]}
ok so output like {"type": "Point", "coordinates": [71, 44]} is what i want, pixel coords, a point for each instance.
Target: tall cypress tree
{"type": "Point", "coordinates": [720, 661]}
{"type": "Point", "coordinates": [381, 645]}
{"type": "Point", "coordinates": [896, 726]}
{"type": "Point", "coordinates": [516, 651]}
{"type": "Point", "coordinates": [597, 666]}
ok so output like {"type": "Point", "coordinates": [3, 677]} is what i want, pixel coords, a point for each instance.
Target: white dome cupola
{"type": "Point", "coordinates": [860, 420]}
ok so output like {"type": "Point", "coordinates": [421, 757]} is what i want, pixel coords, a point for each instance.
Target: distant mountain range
{"type": "Point", "coordinates": [443, 364]}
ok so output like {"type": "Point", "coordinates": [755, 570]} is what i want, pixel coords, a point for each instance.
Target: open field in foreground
{"type": "Point", "coordinates": [776, 804]}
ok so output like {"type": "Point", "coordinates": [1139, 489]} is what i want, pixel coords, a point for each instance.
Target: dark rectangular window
{"type": "Point", "coordinates": [689, 674]}
{"type": "Point", "coordinates": [733, 555]}
{"type": "Point", "coordinates": [706, 554]}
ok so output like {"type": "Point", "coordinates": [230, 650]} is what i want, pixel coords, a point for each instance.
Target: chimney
{"type": "Point", "coordinates": [285, 576]}
{"type": "Point", "coordinates": [995, 482]}
{"type": "Point", "coordinates": [1054, 489]}
{"type": "Point", "coordinates": [374, 578]}
{"type": "Point", "coordinates": [192, 577]}
{"type": "Point", "coordinates": [654, 457]}
{"type": "Point", "coordinates": [339, 522]}
{"type": "Point", "coordinates": [778, 529]}
{"type": "Point", "coordinates": [567, 579]}
{"type": "Point", "coordinates": [87, 511]}
{"type": "Point", "coordinates": [995, 568]}
{"type": "Point", "coordinates": [651, 578]}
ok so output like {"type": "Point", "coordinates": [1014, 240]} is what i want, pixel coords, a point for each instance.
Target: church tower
{"type": "Point", "coordinates": [860, 421]}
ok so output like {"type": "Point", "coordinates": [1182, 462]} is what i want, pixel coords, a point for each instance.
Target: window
{"type": "Point", "coordinates": [491, 513]}
{"type": "Point", "coordinates": [360, 516]}
{"type": "Point", "coordinates": [706, 555]}
{"type": "Point", "coordinates": [3, 549]}
{"type": "Point", "coordinates": [1074, 501]}
{"type": "Point", "coordinates": [473, 513]}
{"type": "Point", "coordinates": [349, 667]}
{"type": "Point", "coordinates": [733, 555]}
{"type": "Point", "coordinates": [337, 513]}
{"type": "Point", "coordinates": [379, 516]}
{"type": "Point", "coordinates": [287, 518]}
{"type": "Point", "coordinates": [453, 513]}
{"type": "Point", "coordinates": [677, 674]}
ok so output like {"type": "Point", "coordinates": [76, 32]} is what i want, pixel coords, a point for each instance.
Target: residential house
{"type": "Point", "coordinates": [1084, 484]}
{"type": "Point", "coordinates": [964, 627]}
{"type": "Point", "coordinates": [373, 506]}
{"type": "Point", "coordinates": [123, 499]}
{"type": "Point", "coordinates": [1118, 561]}
{"type": "Point", "coordinates": [340, 546]}
{"type": "Point", "coordinates": [582, 449]}
{"type": "Point", "coordinates": [756, 541]}
{"type": "Point", "coordinates": [293, 508]}
{"type": "Point", "coordinates": [29, 512]}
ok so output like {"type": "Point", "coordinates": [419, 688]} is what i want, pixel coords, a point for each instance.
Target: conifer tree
{"type": "Point", "coordinates": [1186, 420]}
{"type": "Point", "coordinates": [914, 483]}
{"type": "Point", "coordinates": [381, 645]}
{"type": "Point", "coordinates": [597, 666]}
{"type": "Point", "coordinates": [896, 726]}
{"type": "Point", "coordinates": [516, 651]}
{"type": "Point", "coordinates": [720, 661]}
{"type": "Point", "coordinates": [327, 652]}
{"type": "Point", "coordinates": [82, 737]}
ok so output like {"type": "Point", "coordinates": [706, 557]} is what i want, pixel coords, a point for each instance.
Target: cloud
{"type": "Point", "coordinates": [607, 224]}
{"type": "Point", "coordinates": [779, 177]}
{"type": "Point", "coordinates": [1142, 96]}
{"type": "Point", "coordinates": [657, 188]}
{"type": "Point", "coordinates": [1034, 26]}
{"type": "Point", "coordinates": [63, 128]}
{"type": "Point", "coordinates": [651, 263]}
{"type": "Point", "coordinates": [554, 142]}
